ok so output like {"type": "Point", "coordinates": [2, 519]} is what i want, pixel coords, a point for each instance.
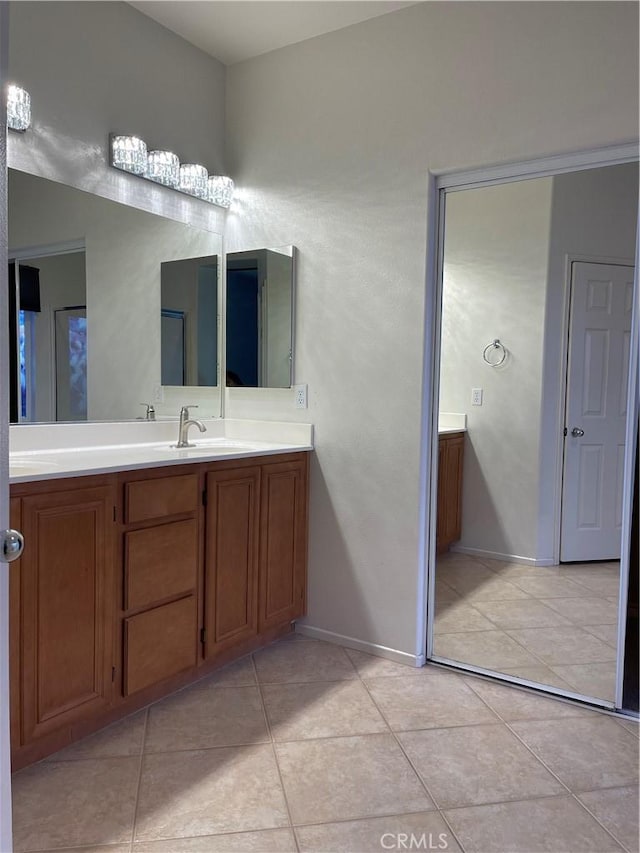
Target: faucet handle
{"type": "Point", "coordinates": [151, 412]}
{"type": "Point", "coordinates": [184, 411]}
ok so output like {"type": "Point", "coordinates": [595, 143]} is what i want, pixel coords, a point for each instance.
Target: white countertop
{"type": "Point", "coordinates": [449, 422]}
{"type": "Point", "coordinates": [29, 460]}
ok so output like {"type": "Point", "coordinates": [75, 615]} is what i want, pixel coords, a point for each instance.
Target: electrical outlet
{"type": "Point", "coordinates": [476, 396]}
{"type": "Point", "coordinates": [158, 394]}
{"type": "Point", "coordinates": [300, 396]}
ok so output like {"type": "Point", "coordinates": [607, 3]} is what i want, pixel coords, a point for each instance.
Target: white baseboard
{"type": "Point", "coordinates": [508, 558]}
{"type": "Point", "coordinates": [360, 645]}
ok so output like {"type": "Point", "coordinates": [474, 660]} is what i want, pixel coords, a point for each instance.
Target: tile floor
{"type": "Point", "coordinates": [556, 625]}
{"type": "Point", "coordinates": [306, 746]}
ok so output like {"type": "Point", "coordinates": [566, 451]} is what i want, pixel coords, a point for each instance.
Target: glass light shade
{"type": "Point", "coordinates": [193, 180]}
{"type": "Point", "coordinates": [221, 190]}
{"type": "Point", "coordinates": [163, 167]}
{"type": "Point", "coordinates": [129, 153]}
{"type": "Point", "coordinates": [18, 108]}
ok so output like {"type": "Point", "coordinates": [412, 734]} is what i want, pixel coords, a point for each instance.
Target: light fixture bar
{"type": "Point", "coordinates": [129, 154]}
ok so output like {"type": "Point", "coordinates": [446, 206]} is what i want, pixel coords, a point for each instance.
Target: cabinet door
{"type": "Point", "coordinates": [231, 557]}
{"type": "Point", "coordinates": [283, 543]}
{"type": "Point", "coordinates": [449, 521]}
{"type": "Point", "coordinates": [66, 608]}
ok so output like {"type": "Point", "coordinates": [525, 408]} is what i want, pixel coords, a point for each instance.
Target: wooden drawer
{"type": "Point", "coordinates": [160, 562]}
{"type": "Point", "coordinates": [157, 498]}
{"type": "Point", "coordinates": [159, 643]}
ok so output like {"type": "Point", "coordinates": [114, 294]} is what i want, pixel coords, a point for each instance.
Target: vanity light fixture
{"type": "Point", "coordinates": [18, 108]}
{"type": "Point", "coordinates": [220, 190]}
{"type": "Point", "coordinates": [193, 180]}
{"type": "Point", "coordinates": [163, 167]}
{"type": "Point", "coordinates": [129, 154]}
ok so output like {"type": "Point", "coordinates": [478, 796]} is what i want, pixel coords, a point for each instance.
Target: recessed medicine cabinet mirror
{"type": "Point", "coordinates": [259, 318]}
{"type": "Point", "coordinates": [87, 299]}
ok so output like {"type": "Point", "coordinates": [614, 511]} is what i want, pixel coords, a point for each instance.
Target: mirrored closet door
{"type": "Point", "coordinates": [537, 296]}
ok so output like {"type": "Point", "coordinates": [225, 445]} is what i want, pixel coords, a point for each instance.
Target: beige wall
{"type": "Point", "coordinates": [496, 253]}
{"type": "Point", "coordinates": [331, 141]}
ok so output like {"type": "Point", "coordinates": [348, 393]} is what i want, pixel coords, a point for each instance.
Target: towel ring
{"type": "Point", "coordinates": [494, 345]}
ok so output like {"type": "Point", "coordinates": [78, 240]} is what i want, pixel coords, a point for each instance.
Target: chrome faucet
{"type": "Point", "coordinates": [185, 423]}
{"type": "Point", "coordinates": [151, 412]}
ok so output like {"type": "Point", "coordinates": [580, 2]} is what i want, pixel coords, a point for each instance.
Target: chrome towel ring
{"type": "Point", "coordinates": [500, 353]}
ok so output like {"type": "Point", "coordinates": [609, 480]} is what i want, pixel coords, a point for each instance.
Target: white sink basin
{"type": "Point", "coordinates": [207, 447]}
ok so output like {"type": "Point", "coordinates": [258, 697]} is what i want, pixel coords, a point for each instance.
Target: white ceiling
{"type": "Point", "coordinates": [233, 30]}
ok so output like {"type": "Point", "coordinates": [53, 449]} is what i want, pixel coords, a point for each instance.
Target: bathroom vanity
{"type": "Point", "coordinates": [136, 582]}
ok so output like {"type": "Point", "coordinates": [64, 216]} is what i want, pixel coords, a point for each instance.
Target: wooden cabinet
{"type": "Point", "coordinates": [132, 585]}
{"type": "Point", "coordinates": [283, 542]}
{"type": "Point", "coordinates": [231, 557]}
{"type": "Point", "coordinates": [255, 550]}
{"type": "Point", "coordinates": [159, 643]}
{"type": "Point", "coordinates": [65, 592]}
{"type": "Point", "coordinates": [450, 461]}
{"type": "Point", "coordinates": [160, 543]}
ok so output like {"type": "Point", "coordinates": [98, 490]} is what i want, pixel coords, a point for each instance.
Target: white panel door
{"type": "Point", "coordinates": [595, 415]}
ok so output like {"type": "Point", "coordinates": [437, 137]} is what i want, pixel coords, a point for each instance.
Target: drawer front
{"type": "Point", "coordinates": [157, 498]}
{"type": "Point", "coordinates": [160, 562]}
{"type": "Point", "coordinates": [159, 643]}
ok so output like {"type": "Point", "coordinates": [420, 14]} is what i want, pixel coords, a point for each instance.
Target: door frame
{"type": "Point", "coordinates": [570, 259]}
{"type": "Point", "coordinates": [438, 184]}
{"type": "Point", "coordinates": [5, 743]}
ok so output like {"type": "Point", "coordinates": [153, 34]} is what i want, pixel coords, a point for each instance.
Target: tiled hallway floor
{"type": "Point", "coordinates": [307, 746]}
{"type": "Point", "coordinates": [555, 625]}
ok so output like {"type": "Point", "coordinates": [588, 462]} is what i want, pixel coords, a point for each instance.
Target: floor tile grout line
{"type": "Point", "coordinates": [275, 755]}
{"type": "Point", "coordinates": [308, 681]}
{"type": "Point", "coordinates": [139, 785]}
{"type": "Point", "coordinates": [527, 747]}
{"type": "Point", "coordinates": [400, 746]}
{"type": "Point", "coordinates": [415, 770]}
{"type": "Point", "coordinates": [597, 819]}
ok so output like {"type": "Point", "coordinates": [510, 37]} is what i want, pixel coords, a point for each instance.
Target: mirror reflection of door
{"type": "Point", "coordinates": [48, 347]}
{"type": "Point", "coordinates": [71, 363]}
{"type": "Point", "coordinates": [189, 321]}
{"type": "Point", "coordinates": [596, 409]}
{"type": "Point", "coordinates": [259, 318]}
{"type": "Point", "coordinates": [529, 519]}
{"type": "Point", "coordinates": [244, 327]}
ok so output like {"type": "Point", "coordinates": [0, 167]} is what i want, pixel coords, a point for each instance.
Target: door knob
{"type": "Point", "coordinates": [576, 432]}
{"type": "Point", "coordinates": [11, 545]}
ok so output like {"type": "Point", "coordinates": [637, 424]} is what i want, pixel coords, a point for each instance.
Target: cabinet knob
{"type": "Point", "coordinates": [12, 545]}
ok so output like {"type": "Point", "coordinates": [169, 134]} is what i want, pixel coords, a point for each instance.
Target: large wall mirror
{"type": "Point", "coordinates": [98, 290]}
{"type": "Point", "coordinates": [259, 317]}
{"type": "Point", "coordinates": [537, 295]}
